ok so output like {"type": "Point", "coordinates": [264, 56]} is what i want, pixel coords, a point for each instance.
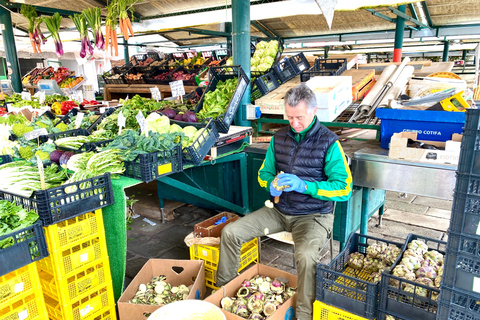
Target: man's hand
{"type": "Point", "coordinates": [274, 192]}
{"type": "Point", "coordinates": [295, 183]}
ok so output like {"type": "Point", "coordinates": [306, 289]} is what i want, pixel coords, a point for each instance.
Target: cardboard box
{"type": "Point", "coordinates": [207, 228]}
{"type": "Point", "coordinates": [192, 275]}
{"type": "Point", "coordinates": [285, 312]}
{"type": "Point", "coordinates": [399, 149]}
{"type": "Point", "coordinates": [334, 95]}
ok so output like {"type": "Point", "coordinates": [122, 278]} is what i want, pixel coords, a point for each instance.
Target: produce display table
{"type": "Point", "coordinates": [116, 91]}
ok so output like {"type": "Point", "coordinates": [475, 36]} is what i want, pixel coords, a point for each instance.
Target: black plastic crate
{"type": "Point", "coordinates": [263, 85]}
{"type": "Point", "coordinates": [144, 56]}
{"type": "Point", "coordinates": [472, 120]}
{"type": "Point", "coordinates": [178, 56]}
{"type": "Point", "coordinates": [29, 245]}
{"type": "Point", "coordinates": [346, 288]}
{"type": "Point", "coordinates": [468, 183]}
{"type": "Point", "coordinates": [5, 159]}
{"type": "Point", "coordinates": [299, 62]}
{"type": "Point", "coordinates": [192, 81]}
{"type": "Point", "coordinates": [68, 117]}
{"type": "Point", "coordinates": [135, 71]}
{"type": "Point", "coordinates": [284, 70]}
{"type": "Point", "coordinates": [325, 67]}
{"type": "Point", "coordinates": [220, 54]}
{"type": "Point", "coordinates": [56, 204]}
{"type": "Point", "coordinates": [422, 303]}
{"type": "Point", "coordinates": [458, 305]}
{"type": "Point", "coordinates": [115, 72]}
{"type": "Point", "coordinates": [469, 160]}
{"type": "Point", "coordinates": [461, 271]}
{"type": "Point", "coordinates": [194, 154]}
{"type": "Point", "coordinates": [275, 61]}
{"type": "Point", "coordinates": [465, 218]}
{"type": "Point", "coordinates": [157, 71]}
{"type": "Point", "coordinates": [217, 74]}
{"type": "Point", "coordinates": [150, 166]}
{"type": "Point", "coordinates": [95, 124]}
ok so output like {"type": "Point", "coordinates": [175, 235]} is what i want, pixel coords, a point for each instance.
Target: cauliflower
{"type": "Point", "coordinates": [26, 152]}
{"type": "Point", "coordinates": [43, 155]}
{"type": "Point", "coordinates": [19, 129]}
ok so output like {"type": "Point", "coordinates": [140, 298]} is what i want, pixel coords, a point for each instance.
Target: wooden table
{"type": "Point", "coordinates": [117, 91]}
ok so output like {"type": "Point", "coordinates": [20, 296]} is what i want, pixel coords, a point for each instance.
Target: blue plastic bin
{"type": "Point", "coordinates": [429, 125]}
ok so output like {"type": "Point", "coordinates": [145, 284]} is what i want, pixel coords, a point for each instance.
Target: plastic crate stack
{"type": "Point", "coordinates": [325, 67]}
{"type": "Point", "coordinates": [460, 294]}
{"type": "Point", "coordinates": [75, 278]}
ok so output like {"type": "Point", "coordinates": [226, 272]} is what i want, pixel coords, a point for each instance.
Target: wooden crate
{"type": "Point", "coordinates": [360, 78]}
{"type": "Point", "coordinates": [208, 228]}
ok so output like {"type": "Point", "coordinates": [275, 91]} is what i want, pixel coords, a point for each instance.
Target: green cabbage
{"type": "Point", "coordinates": [272, 52]}
{"type": "Point", "coordinates": [175, 128]}
{"type": "Point", "coordinates": [263, 67]}
{"type": "Point", "coordinates": [189, 132]}
{"type": "Point", "coordinates": [158, 123]}
{"type": "Point", "coordinates": [261, 45]}
{"type": "Point", "coordinates": [268, 60]}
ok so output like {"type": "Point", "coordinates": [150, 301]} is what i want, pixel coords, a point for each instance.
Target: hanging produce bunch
{"type": "Point", "coordinates": [53, 26]}
{"type": "Point", "coordinates": [93, 17]}
{"type": "Point", "coordinates": [110, 25]}
{"type": "Point", "coordinates": [124, 7]}
{"type": "Point", "coordinates": [81, 25]}
{"type": "Point", "coordinates": [34, 32]}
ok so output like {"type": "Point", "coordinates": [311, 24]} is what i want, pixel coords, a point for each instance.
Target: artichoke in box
{"type": "Point", "coordinates": [376, 249]}
{"type": "Point", "coordinates": [419, 246]}
{"type": "Point", "coordinates": [390, 254]}
{"type": "Point", "coordinates": [389, 317]}
{"type": "Point", "coordinates": [411, 253]}
{"type": "Point", "coordinates": [426, 272]}
{"type": "Point", "coordinates": [377, 276]}
{"type": "Point", "coordinates": [440, 271]}
{"type": "Point", "coordinates": [423, 292]}
{"type": "Point", "coordinates": [412, 263]}
{"type": "Point", "coordinates": [438, 281]}
{"type": "Point", "coordinates": [435, 296]}
{"type": "Point", "coordinates": [355, 260]}
{"type": "Point", "coordinates": [403, 272]}
{"type": "Point", "coordinates": [435, 257]}
{"type": "Point", "coordinates": [370, 264]}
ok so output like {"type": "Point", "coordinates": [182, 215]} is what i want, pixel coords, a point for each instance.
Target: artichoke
{"type": "Point", "coordinates": [412, 263]}
{"type": "Point", "coordinates": [438, 281]}
{"type": "Point", "coordinates": [376, 277]}
{"type": "Point", "coordinates": [426, 272]}
{"type": "Point", "coordinates": [419, 246]}
{"type": "Point", "coordinates": [376, 249]}
{"type": "Point", "coordinates": [256, 316]}
{"type": "Point", "coordinates": [411, 253]}
{"type": "Point", "coordinates": [355, 260]}
{"type": "Point", "coordinates": [403, 272]}
{"type": "Point", "coordinates": [275, 183]}
{"type": "Point", "coordinates": [269, 308]}
{"type": "Point", "coordinates": [370, 264]}
{"type": "Point", "coordinates": [390, 254]}
{"type": "Point", "coordinates": [440, 271]}
{"type": "Point", "coordinates": [435, 258]}
{"type": "Point", "coordinates": [389, 317]}
{"type": "Point", "coordinates": [423, 292]}
{"type": "Point", "coordinates": [226, 303]}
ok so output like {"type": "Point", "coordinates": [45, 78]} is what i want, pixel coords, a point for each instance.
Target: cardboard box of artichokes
{"type": "Point", "coordinates": [193, 276]}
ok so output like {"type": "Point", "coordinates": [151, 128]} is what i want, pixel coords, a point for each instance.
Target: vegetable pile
{"type": "Point", "coordinates": [216, 102]}
{"type": "Point", "coordinates": [421, 265]}
{"type": "Point", "coordinates": [258, 298]}
{"type": "Point", "coordinates": [13, 218]}
{"type": "Point", "coordinates": [159, 292]}
{"type": "Point", "coordinates": [264, 55]}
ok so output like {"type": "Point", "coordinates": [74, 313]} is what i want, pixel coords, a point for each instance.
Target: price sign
{"type": "Point", "coordinates": [41, 96]}
{"type": "Point", "coordinates": [156, 95]}
{"type": "Point", "coordinates": [177, 88]}
{"type": "Point", "coordinates": [102, 110]}
{"type": "Point", "coordinates": [141, 120]}
{"type": "Point", "coordinates": [121, 122]}
{"type": "Point", "coordinates": [78, 119]}
{"type": "Point", "coordinates": [40, 171]}
{"type": "Point", "coordinates": [26, 96]}
{"type": "Point", "coordinates": [35, 134]}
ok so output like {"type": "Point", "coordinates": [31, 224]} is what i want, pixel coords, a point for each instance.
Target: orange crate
{"type": "Point", "coordinates": [70, 232]}
{"type": "Point", "coordinates": [65, 290]}
{"type": "Point", "coordinates": [89, 306]}
{"type": "Point", "coordinates": [70, 261]}
{"type": "Point", "coordinates": [29, 306]}
{"type": "Point", "coordinates": [18, 282]}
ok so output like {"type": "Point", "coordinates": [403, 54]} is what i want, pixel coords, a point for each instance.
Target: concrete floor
{"type": "Point", "coordinates": [150, 238]}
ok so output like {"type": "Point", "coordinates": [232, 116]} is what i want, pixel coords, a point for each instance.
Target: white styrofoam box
{"type": "Point", "coordinates": [333, 93]}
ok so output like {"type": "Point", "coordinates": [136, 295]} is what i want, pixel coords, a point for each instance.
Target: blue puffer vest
{"type": "Point", "coordinates": [306, 160]}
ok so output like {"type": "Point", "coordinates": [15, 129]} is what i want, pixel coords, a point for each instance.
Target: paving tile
{"type": "Point", "coordinates": [440, 213]}
{"type": "Point", "coordinates": [433, 203]}
{"type": "Point", "coordinates": [406, 207]}
{"type": "Point", "coordinates": [413, 219]}
{"type": "Point", "coordinates": [399, 196]}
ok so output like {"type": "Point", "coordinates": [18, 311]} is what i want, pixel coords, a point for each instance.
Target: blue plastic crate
{"type": "Point", "coordinates": [429, 125]}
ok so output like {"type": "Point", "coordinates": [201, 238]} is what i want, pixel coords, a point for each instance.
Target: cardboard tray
{"type": "Point", "coordinates": [192, 275]}
{"type": "Point", "coordinates": [286, 311]}
{"type": "Point", "coordinates": [208, 228]}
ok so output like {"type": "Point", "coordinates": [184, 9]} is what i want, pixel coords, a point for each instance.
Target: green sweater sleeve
{"type": "Point", "coordinates": [338, 186]}
{"type": "Point", "coordinates": [268, 170]}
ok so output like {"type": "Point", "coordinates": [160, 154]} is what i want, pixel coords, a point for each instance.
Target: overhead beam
{"type": "Point", "coordinates": [407, 17]}
{"type": "Point", "coordinates": [268, 29]}
{"type": "Point", "coordinates": [181, 13]}
{"type": "Point", "coordinates": [427, 13]}
{"type": "Point", "coordinates": [381, 15]}
{"type": "Point", "coordinates": [411, 6]}
{"type": "Point", "coordinates": [205, 32]}
{"type": "Point", "coordinates": [256, 25]}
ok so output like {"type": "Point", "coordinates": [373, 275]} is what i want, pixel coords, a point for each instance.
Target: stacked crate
{"type": "Point", "coordinates": [76, 278]}
{"type": "Point", "coordinates": [460, 291]}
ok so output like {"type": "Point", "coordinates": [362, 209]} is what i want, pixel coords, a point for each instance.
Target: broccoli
{"type": "Point", "coordinates": [26, 152]}
{"type": "Point", "coordinates": [42, 125]}
{"type": "Point", "coordinates": [20, 129]}
{"type": "Point", "coordinates": [62, 126]}
{"type": "Point", "coordinates": [43, 155]}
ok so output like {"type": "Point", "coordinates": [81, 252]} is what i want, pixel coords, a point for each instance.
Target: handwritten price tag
{"type": "Point", "coordinates": [26, 96]}
{"type": "Point", "coordinates": [35, 134]}
{"type": "Point", "coordinates": [177, 88]}
{"type": "Point", "coordinates": [156, 95]}
{"type": "Point", "coordinates": [141, 120]}
{"type": "Point", "coordinates": [79, 119]}
{"type": "Point", "coordinates": [121, 122]}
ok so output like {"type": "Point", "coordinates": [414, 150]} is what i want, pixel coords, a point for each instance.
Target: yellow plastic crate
{"type": "Point", "coordinates": [29, 306]}
{"type": "Point", "coordinates": [322, 311]}
{"type": "Point", "coordinates": [70, 232]}
{"type": "Point", "coordinates": [65, 290]}
{"type": "Point", "coordinates": [89, 306]}
{"type": "Point", "coordinates": [68, 262]}
{"type": "Point", "coordinates": [210, 254]}
{"type": "Point", "coordinates": [18, 282]}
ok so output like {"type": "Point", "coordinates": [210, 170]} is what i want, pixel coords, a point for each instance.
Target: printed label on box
{"type": "Point", "coordinates": [84, 257]}
{"type": "Point", "coordinates": [165, 168]}
{"type": "Point", "coordinates": [23, 315]}
{"type": "Point", "coordinates": [476, 284]}
{"type": "Point", "coordinates": [205, 253]}
{"type": "Point", "coordinates": [85, 311]}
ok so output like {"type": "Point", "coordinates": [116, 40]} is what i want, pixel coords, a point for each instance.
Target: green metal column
{"type": "Point", "coordinates": [228, 29]}
{"type": "Point", "coordinates": [397, 49]}
{"type": "Point", "coordinates": [241, 51]}
{"type": "Point", "coordinates": [325, 51]}
{"type": "Point", "coordinates": [464, 56]}
{"type": "Point", "coordinates": [369, 57]}
{"type": "Point", "coordinates": [125, 50]}
{"type": "Point", "coordinates": [11, 49]}
{"type": "Point", "coordinates": [446, 47]}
